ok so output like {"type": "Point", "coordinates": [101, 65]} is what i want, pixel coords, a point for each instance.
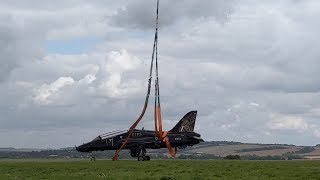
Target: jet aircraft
{"type": "Point", "coordinates": [180, 136]}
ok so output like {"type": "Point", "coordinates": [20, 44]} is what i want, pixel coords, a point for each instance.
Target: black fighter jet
{"type": "Point", "coordinates": [181, 136]}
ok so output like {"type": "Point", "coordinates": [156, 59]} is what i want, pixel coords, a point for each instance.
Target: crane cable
{"type": "Point", "coordinates": [157, 113]}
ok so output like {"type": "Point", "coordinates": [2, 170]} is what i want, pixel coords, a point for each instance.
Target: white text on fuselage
{"type": "Point", "coordinates": [136, 134]}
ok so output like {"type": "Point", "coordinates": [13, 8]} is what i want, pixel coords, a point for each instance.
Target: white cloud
{"type": "Point", "coordinates": [235, 63]}
{"type": "Point", "coordinates": [254, 104]}
{"type": "Point", "coordinates": [121, 61]}
{"type": "Point", "coordinates": [45, 92]}
{"type": "Point", "coordinates": [118, 63]}
{"type": "Point", "coordinates": [280, 124]}
{"type": "Point", "coordinates": [88, 79]}
{"type": "Point", "coordinates": [289, 123]}
{"type": "Point", "coordinates": [317, 133]}
{"type": "Point", "coordinates": [100, 75]}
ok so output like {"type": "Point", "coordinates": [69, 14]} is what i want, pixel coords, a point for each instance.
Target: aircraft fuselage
{"type": "Point", "coordinates": [145, 138]}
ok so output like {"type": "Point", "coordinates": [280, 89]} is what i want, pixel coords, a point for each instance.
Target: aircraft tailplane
{"type": "Point", "coordinates": [186, 124]}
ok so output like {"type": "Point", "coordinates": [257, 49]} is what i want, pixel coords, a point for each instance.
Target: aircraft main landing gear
{"type": "Point", "coordinates": [143, 156]}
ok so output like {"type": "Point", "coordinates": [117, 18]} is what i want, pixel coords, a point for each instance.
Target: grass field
{"type": "Point", "coordinates": [158, 169]}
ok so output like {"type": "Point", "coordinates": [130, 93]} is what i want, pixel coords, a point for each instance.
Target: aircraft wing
{"type": "Point", "coordinates": [198, 138]}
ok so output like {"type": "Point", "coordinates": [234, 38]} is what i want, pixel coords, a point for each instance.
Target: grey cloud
{"type": "Point", "coordinates": [264, 47]}
{"type": "Point", "coordinates": [8, 45]}
{"type": "Point", "coordinates": [59, 4]}
{"type": "Point", "coordinates": [62, 19]}
{"type": "Point", "coordinates": [260, 64]}
{"type": "Point", "coordinates": [17, 46]}
{"type": "Point", "coordinates": [74, 96]}
{"type": "Point", "coordinates": [141, 14]}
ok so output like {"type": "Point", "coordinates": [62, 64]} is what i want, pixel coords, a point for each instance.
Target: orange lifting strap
{"type": "Point", "coordinates": [157, 109]}
{"type": "Point", "coordinates": [158, 118]}
{"type": "Point", "coordinates": [166, 140]}
{"type": "Point", "coordinates": [116, 154]}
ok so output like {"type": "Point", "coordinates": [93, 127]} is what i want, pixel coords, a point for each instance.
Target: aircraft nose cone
{"type": "Point", "coordinates": [84, 148]}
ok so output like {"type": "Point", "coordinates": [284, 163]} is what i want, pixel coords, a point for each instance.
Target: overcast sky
{"type": "Point", "coordinates": [71, 70]}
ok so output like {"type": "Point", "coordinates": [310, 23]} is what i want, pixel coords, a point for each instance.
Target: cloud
{"type": "Point", "coordinates": [45, 92]}
{"type": "Point", "coordinates": [254, 104]}
{"type": "Point", "coordinates": [283, 124]}
{"type": "Point", "coordinates": [62, 20]}
{"type": "Point", "coordinates": [88, 79]}
{"type": "Point", "coordinates": [289, 123]}
{"type": "Point", "coordinates": [118, 64]}
{"type": "Point", "coordinates": [14, 46]}
{"type": "Point", "coordinates": [236, 62]}
{"type": "Point", "coordinates": [141, 14]}
{"type": "Point", "coordinates": [107, 79]}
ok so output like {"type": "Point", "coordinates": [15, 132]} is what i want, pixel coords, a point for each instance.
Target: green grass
{"type": "Point", "coordinates": [158, 169]}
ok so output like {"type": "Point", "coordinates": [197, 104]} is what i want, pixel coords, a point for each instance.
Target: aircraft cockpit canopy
{"type": "Point", "coordinates": [110, 134]}
{"type": "Point", "coordinates": [97, 138]}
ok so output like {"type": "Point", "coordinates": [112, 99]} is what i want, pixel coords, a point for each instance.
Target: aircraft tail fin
{"type": "Point", "coordinates": [186, 124]}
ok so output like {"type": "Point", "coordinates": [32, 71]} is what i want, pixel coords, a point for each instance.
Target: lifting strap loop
{"type": "Point", "coordinates": [171, 150]}
{"type": "Point", "coordinates": [167, 142]}
{"type": "Point", "coordinates": [116, 155]}
{"type": "Point", "coordinates": [157, 108]}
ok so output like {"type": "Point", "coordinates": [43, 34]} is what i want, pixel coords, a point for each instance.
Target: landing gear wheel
{"type": "Point", "coordinates": [141, 158]}
{"type": "Point", "coordinates": [93, 158]}
{"type": "Point", "coordinates": [147, 158]}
